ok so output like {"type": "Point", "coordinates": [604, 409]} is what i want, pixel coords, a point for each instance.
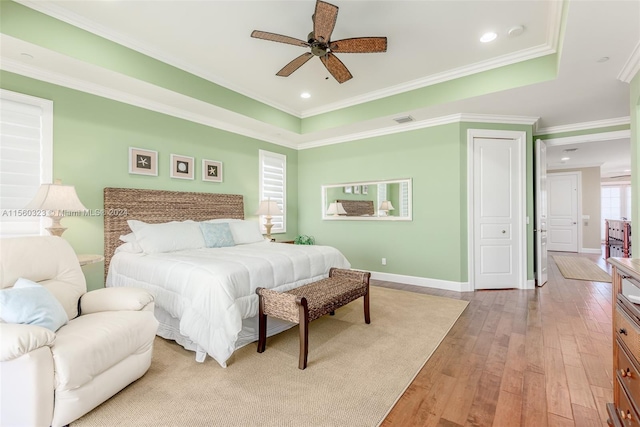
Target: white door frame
{"type": "Point", "coordinates": [578, 174]}
{"type": "Point", "coordinates": [521, 138]}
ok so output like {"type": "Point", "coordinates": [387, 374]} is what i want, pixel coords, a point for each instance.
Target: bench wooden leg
{"type": "Point", "coordinates": [262, 327]}
{"type": "Point", "coordinates": [332, 313]}
{"type": "Point", "coordinates": [367, 317]}
{"type": "Point", "coordinates": [304, 333]}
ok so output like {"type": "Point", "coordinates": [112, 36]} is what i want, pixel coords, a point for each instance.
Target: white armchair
{"type": "Point", "coordinates": [53, 378]}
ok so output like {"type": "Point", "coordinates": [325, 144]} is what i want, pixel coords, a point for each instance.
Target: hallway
{"type": "Point", "coordinates": [518, 358]}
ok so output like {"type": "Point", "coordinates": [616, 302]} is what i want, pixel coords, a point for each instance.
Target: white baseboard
{"type": "Point", "coordinates": [423, 281]}
{"type": "Point", "coordinates": [531, 284]}
{"type": "Point", "coordinates": [590, 251]}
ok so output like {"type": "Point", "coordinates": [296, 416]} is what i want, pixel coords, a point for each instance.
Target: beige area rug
{"type": "Point", "coordinates": [573, 267]}
{"type": "Point", "coordinates": [355, 374]}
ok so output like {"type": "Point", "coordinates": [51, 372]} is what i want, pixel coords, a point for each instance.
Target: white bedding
{"type": "Point", "coordinates": [211, 290]}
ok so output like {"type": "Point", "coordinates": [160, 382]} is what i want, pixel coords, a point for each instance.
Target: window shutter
{"type": "Point", "coordinates": [382, 196]}
{"type": "Point", "coordinates": [26, 158]}
{"type": "Point", "coordinates": [273, 186]}
{"type": "Point", "coordinates": [404, 199]}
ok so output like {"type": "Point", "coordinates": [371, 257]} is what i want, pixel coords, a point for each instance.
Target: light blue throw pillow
{"type": "Point", "coordinates": [217, 235]}
{"type": "Point", "coordinates": [31, 304]}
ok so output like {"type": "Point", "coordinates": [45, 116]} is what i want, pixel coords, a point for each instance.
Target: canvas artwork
{"type": "Point", "coordinates": [181, 167]}
{"type": "Point", "coordinates": [143, 162]}
{"type": "Point", "coordinates": [211, 170]}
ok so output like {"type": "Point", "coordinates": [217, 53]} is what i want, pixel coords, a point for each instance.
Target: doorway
{"type": "Point", "coordinates": [564, 194]}
{"type": "Point", "coordinates": [497, 209]}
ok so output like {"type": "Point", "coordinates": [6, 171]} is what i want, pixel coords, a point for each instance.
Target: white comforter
{"type": "Point", "coordinates": [211, 290]}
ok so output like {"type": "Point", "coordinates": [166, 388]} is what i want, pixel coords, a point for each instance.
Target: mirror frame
{"type": "Point", "coordinates": [367, 218]}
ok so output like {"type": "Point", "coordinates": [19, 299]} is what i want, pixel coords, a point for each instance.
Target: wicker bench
{"type": "Point", "coordinates": [309, 302]}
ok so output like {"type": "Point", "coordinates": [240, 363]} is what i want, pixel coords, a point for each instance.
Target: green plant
{"type": "Point", "coordinates": [304, 240]}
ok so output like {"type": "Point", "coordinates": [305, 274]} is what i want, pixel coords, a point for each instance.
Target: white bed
{"type": "Point", "coordinates": [205, 297]}
{"type": "Point", "coordinates": [207, 293]}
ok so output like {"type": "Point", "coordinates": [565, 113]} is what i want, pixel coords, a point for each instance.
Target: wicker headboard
{"type": "Point", "coordinates": [357, 207]}
{"type": "Point", "coordinates": [155, 206]}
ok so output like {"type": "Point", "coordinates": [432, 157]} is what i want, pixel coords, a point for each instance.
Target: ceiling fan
{"type": "Point", "coordinates": [319, 40]}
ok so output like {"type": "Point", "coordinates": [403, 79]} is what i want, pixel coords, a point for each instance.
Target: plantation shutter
{"type": "Point", "coordinates": [273, 186]}
{"type": "Point", "coordinates": [382, 196]}
{"type": "Point", "coordinates": [404, 199]}
{"type": "Point", "coordinates": [26, 144]}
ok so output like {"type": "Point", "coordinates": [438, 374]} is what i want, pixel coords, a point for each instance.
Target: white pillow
{"type": "Point", "coordinates": [131, 237]}
{"type": "Point", "coordinates": [130, 247]}
{"type": "Point", "coordinates": [32, 304]}
{"type": "Point", "coordinates": [167, 236]}
{"type": "Point", "coordinates": [223, 220]}
{"type": "Point", "coordinates": [246, 232]}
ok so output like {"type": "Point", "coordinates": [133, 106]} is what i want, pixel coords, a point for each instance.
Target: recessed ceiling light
{"type": "Point", "coordinates": [565, 158]}
{"type": "Point", "coordinates": [488, 37]}
{"type": "Point", "coordinates": [603, 59]}
{"type": "Point", "coordinates": [305, 95]}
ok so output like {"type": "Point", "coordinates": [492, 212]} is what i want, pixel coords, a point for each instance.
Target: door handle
{"type": "Point", "coordinates": [574, 223]}
{"type": "Point", "coordinates": [504, 231]}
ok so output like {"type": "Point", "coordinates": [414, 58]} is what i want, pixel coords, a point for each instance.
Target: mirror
{"type": "Point", "coordinates": [388, 200]}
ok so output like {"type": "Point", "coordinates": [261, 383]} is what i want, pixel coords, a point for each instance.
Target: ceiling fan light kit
{"type": "Point", "coordinates": [319, 41]}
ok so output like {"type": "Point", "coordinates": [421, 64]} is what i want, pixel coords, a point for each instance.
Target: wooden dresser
{"type": "Point", "coordinates": [626, 343]}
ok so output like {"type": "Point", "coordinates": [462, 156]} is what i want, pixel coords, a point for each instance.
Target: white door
{"type": "Point", "coordinates": [541, 212]}
{"type": "Point", "coordinates": [498, 213]}
{"type": "Point", "coordinates": [563, 212]}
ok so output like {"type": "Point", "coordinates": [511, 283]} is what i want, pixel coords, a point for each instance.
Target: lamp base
{"type": "Point", "coordinates": [56, 228]}
{"type": "Point", "coordinates": [268, 226]}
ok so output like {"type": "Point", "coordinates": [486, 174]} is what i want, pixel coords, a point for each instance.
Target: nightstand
{"type": "Point", "coordinates": [85, 259]}
{"type": "Point", "coordinates": [283, 241]}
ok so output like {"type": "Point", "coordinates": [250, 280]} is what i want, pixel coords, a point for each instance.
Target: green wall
{"type": "Point", "coordinates": [92, 136]}
{"type": "Point", "coordinates": [434, 244]}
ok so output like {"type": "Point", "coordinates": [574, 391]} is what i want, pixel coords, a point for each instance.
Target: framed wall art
{"type": "Point", "coordinates": [181, 167]}
{"type": "Point", "coordinates": [143, 162]}
{"type": "Point", "coordinates": [356, 189]}
{"type": "Point", "coordinates": [348, 189]}
{"type": "Point", "coordinates": [211, 170]}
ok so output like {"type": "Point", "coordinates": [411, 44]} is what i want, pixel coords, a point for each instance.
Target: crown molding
{"type": "Point", "coordinates": [64, 15]}
{"type": "Point", "coordinates": [138, 101]}
{"type": "Point", "coordinates": [436, 121]}
{"type": "Point", "coordinates": [550, 47]}
{"type": "Point", "coordinates": [592, 137]}
{"type": "Point", "coordinates": [478, 67]}
{"type": "Point", "coordinates": [619, 121]}
{"type": "Point", "coordinates": [631, 67]}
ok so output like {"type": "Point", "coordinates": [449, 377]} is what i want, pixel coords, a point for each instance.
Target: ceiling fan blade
{"type": "Point", "coordinates": [324, 19]}
{"type": "Point", "coordinates": [336, 67]}
{"type": "Point", "coordinates": [294, 65]}
{"type": "Point", "coordinates": [278, 38]}
{"type": "Point", "coordinates": [360, 45]}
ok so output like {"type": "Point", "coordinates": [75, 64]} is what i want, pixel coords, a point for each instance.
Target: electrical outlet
{"type": "Point", "coordinates": [384, 261]}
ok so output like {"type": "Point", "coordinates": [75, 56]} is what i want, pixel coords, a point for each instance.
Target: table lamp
{"type": "Point", "coordinates": [336, 209]}
{"type": "Point", "coordinates": [56, 199]}
{"type": "Point", "coordinates": [268, 208]}
{"type": "Point", "coordinates": [386, 206]}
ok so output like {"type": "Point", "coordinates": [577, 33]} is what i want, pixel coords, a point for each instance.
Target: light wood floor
{"type": "Point", "coordinates": [536, 358]}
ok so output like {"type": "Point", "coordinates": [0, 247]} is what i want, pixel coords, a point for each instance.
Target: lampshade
{"type": "Point", "coordinates": [268, 207]}
{"type": "Point", "coordinates": [56, 199]}
{"type": "Point", "coordinates": [386, 206]}
{"type": "Point", "coordinates": [336, 209]}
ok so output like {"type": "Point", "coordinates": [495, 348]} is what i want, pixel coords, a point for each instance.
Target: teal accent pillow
{"type": "Point", "coordinates": [29, 303]}
{"type": "Point", "coordinates": [217, 235]}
